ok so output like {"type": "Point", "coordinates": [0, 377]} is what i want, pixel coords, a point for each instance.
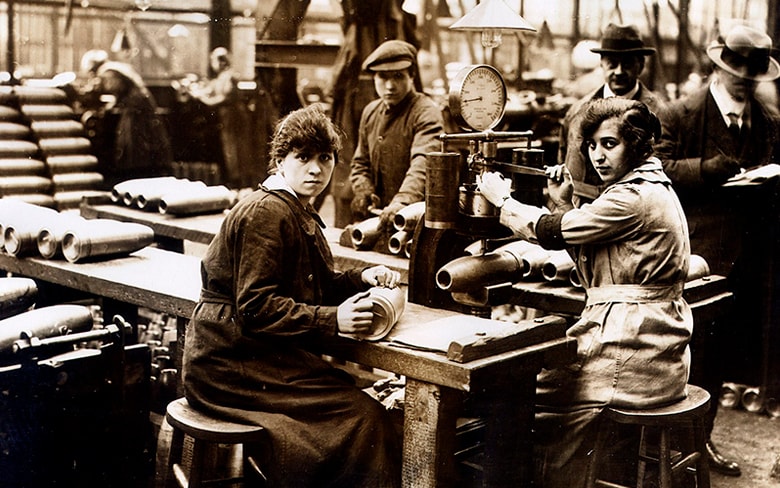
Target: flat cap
{"type": "Point", "coordinates": [391, 56]}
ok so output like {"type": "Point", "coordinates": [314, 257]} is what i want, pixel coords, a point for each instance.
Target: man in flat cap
{"type": "Point", "coordinates": [713, 134]}
{"type": "Point", "coordinates": [396, 132]}
{"type": "Point", "coordinates": [622, 61]}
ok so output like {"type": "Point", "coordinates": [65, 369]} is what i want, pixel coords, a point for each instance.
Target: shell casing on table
{"type": "Point", "coordinates": [407, 218]}
{"type": "Point", "coordinates": [397, 241]}
{"type": "Point", "coordinates": [387, 306]}
{"type": "Point", "coordinates": [102, 238]}
{"type": "Point", "coordinates": [505, 264]}
{"type": "Point", "coordinates": [558, 266]}
{"type": "Point", "coordinates": [191, 201]}
{"type": "Point", "coordinates": [20, 222]}
{"type": "Point", "coordinates": [126, 191]}
{"type": "Point", "coordinates": [366, 233]}
{"type": "Point", "coordinates": [49, 239]}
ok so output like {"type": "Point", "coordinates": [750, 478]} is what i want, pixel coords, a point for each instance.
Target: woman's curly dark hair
{"type": "Point", "coordinates": [638, 126]}
{"type": "Point", "coordinates": [308, 128]}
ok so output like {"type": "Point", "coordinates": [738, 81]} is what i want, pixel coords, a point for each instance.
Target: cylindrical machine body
{"type": "Point", "coordinates": [442, 181]}
{"type": "Point", "coordinates": [43, 322]}
{"type": "Point", "coordinates": [193, 201]}
{"type": "Point", "coordinates": [104, 237]}
{"type": "Point", "coordinates": [529, 189]}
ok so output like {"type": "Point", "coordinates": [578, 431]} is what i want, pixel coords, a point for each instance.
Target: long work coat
{"type": "Point", "coordinates": [390, 157]}
{"type": "Point", "coordinates": [631, 250]}
{"type": "Point", "coordinates": [269, 293]}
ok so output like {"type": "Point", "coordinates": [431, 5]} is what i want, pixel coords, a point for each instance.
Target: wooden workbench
{"type": "Point", "coordinates": [502, 386]}
{"type": "Point", "coordinates": [171, 232]}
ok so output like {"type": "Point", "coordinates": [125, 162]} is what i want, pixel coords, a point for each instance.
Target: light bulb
{"type": "Point", "coordinates": [144, 5]}
{"type": "Point", "coordinates": [491, 38]}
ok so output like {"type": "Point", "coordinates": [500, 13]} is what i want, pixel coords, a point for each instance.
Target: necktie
{"type": "Point", "coordinates": [733, 124]}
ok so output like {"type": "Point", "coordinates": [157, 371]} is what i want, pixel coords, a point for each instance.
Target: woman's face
{"type": "Point", "coordinates": [307, 173]}
{"type": "Point", "coordinates": [608, 152]}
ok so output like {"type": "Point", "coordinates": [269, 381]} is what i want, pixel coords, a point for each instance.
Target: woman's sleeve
{"type": "Point", "coordinates": [613, 216]}
{"type": "Point", "coordinates": [263, 245]}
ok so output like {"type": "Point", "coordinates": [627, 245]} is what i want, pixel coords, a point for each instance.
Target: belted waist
{"type": "Point", "coordinates": [634, 293]}
{"type": "Point", "coordinates": [214, 297]}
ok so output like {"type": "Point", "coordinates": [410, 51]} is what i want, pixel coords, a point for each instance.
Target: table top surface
{"type": "Point", "coordinates": [202, 228]}
{"type": "Point", "coordinates": [170, 282]}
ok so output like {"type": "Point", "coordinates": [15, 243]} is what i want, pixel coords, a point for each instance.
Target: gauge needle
{"type": "Point", "coordinates": [472, 100]}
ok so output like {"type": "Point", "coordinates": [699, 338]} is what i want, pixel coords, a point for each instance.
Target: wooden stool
{"type": "Point", "coordinates": [206, 433]}
{"type": "Point", "coordinates": [686, 413]}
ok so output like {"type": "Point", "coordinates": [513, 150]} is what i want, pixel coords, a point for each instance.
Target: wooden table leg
{"type": "Point", "coordinates": [430, 412]}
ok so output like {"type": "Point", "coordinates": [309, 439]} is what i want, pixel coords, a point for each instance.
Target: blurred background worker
{"type": "Point", "coordinates": [708, 137]}
{"type": "Point", "coordinates": [622, 54]}
{"type": "Point", "coordinates": [396, 133]}
{"type": "Point", "coordinates": [221, 92]}
{"type": "Point", "coordinates": [142, 147]}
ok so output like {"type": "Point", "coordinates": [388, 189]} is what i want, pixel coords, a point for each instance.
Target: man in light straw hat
{"type": "Point", "coordinates": [708, 137]}
{"type": "Point", "coordinates": [623, 55]}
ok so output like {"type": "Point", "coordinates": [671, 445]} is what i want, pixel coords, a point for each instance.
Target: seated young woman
{"type": "Point", "coordinates": [632, 252]}
{"type": "Point", "coordinates": [269, 295]}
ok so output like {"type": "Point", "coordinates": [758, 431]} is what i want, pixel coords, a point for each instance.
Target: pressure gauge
{"type": "Point", "coordinates": [477, 97]}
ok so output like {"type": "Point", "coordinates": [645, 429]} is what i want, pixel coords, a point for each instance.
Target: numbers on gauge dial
{"type": "Point", "coordinates": [482, 98]}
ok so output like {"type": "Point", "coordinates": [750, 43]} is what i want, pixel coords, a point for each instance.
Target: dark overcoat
{"type": "Point", "coordinates": [270, 293]}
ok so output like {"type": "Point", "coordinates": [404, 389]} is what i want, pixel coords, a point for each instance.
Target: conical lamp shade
{"type": "Point", "coordinates": [492, 14]}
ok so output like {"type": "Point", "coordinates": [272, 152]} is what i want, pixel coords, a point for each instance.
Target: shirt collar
{"type": "Point", "coordinates": [277, 182]}
{"type": "Point", "coordinates": [726, 104]}
{"type": "Point", "coordinates": [650, 170]}
{"type": "Point", "coordinates": [608, 93]}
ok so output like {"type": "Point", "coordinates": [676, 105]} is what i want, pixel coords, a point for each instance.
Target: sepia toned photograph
{"type": "Point", "coordinates": [390, 243]}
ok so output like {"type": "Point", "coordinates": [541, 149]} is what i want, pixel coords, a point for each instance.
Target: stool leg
{"type": "Point", "coordinates": [177, 448]}
{"type": "Point", "coordinates": [598, 451]}
{"type": "Point", "coordinates": [641, 464]}
{"type": "Point", "coordinates": [200, 453]}
{"type": "Point", "coordinates": [703, 465]}
{"type": "Point", "coordinates": [664, 460]}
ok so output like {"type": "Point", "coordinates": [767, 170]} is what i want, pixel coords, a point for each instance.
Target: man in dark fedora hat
{"type": "Point", "coordinates": [623, 55]}
{"type": "Point", "coordinates": [708, 137]}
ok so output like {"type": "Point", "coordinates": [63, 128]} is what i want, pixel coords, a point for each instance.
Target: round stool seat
{"type": "Point", "coordinates": [684, 416]}
{"type": "Point", "coordinates": [695, 404]}
{"type": "Point", "coordinates": [202, 426]}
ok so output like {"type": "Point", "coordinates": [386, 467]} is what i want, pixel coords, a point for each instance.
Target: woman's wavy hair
{"type": "Point", "coordinates": [638, 126]}
{"type": "Point", "coordinates": [308, 128]}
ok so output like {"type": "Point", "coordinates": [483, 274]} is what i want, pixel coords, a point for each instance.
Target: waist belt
{"type": "Point", "coordinates": [214, 297]}
{"type": "Point", "coordinates": [634, 293]}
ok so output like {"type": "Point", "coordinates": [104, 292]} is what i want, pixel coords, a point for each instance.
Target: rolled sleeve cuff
{"type": "Point", "coordinates": [326, 320]}
{"type": "Point", "coordinates": [549, 233]}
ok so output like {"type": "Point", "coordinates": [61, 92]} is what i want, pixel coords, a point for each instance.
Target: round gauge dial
{"type": "Point", "coordinates": [477, 97]}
